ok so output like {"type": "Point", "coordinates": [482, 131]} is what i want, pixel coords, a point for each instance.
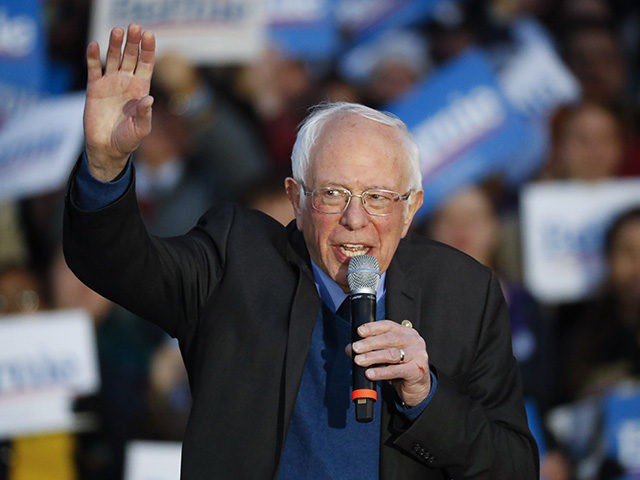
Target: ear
{"type": "Point", "coordinates": [414, 204]}
{"type": "Point", "coordinates": [293, 193]}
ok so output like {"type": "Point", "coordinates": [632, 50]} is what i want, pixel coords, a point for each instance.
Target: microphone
{"type": "Point", "coordinates": [363, 276]}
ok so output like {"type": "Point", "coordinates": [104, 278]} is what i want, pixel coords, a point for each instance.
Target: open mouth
{"type": "Point", "coordinates": [353, 250]}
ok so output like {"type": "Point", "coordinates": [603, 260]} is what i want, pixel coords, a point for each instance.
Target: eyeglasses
{"type": "Point", "coordinates": [375, 201]}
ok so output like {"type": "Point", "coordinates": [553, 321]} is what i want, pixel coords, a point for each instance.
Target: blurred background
{"type": "Point", "coordinates": [527, 116]}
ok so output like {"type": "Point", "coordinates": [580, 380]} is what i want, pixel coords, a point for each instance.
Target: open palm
{"type": "Point", "coordinates": [117, 112]}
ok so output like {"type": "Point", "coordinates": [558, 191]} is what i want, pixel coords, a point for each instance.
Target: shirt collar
{"type": "Point", "coordinates": [331, 293]}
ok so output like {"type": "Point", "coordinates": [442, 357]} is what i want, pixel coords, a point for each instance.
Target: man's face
{"type": "Point", "coordinates": [357, 154]}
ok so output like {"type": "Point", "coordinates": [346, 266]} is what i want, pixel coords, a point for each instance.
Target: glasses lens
{"type": "Point", "coordinates": [330, 200]}
{"type": "Point", "coordinates": [379, 202]}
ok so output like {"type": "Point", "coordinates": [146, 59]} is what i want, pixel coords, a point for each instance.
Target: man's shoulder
{"type": "Point", "coordinates": [422, 255]}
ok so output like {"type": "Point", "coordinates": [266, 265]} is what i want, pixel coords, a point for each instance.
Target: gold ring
{"type": "Point", "coordinates": [401, 355]}
{"type": "Point", "coordinates": [407, 323]}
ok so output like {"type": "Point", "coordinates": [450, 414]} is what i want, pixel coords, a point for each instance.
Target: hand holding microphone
{"type": "Point", "coordinates": [383, 349]}
{"type": "Point", "coordinates": [363, 277]}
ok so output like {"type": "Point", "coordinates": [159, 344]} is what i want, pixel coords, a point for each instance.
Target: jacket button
{"type": "Point", "coordinates": [417, 448]}
{"type": "Point", "coordinates": [420, 451]}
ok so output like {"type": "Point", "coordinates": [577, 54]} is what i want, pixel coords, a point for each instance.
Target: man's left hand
{"type": "Point", "coordinates": [395, 353]}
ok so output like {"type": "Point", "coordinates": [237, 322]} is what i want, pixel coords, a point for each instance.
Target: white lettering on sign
{"type": "Point", "coordinates": [629, 445]}
{"type": "Point", "coordinates": [18, 35]}
{"type": "Point", "coordinates": [173, 11]}
{"type": "Point", "coordinates": [466, 120]}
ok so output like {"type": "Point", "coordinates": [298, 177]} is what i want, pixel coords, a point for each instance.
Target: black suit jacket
{"type": "Point", "coordinates": [238, 293]}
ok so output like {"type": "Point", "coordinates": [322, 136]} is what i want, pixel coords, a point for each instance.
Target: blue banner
{"type": "Point", "coordinates": [22, 55]}
{"type": "Point", "coordinates": [22, 50]}
{"type": "Point", "coordinates": [464, 125]}
{"type": "Point", "coordinates": [536, 82]}
{"type": "Point", "coordinates": [384, 15]}
{"type": "Point", "coordinates": [304, 29]}
{"type": "Point", "coordinates": [622, 429]}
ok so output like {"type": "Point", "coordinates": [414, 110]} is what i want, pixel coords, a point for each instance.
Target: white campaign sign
{"type": "Point", "coordinates": [205, 31]}
{"type": "Point", "coordinates": [39, 146]}
{"type": "Point", "coordinates": [562, 228]}
{"type": "Point", "coordinates": [46, 359]}
{"type": "Point", "coordinates": [153, 461]}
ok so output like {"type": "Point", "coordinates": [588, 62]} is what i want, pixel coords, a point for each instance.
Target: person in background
{"type": "Point", "coordinates": [599, 359]}
{"type": "Point", "coordinates": [587, 144]}
{"type": "Point", "coordinates": [223, 146]}
{"type": "Point", "coordinates": [601, 335]}
{"type": "Point", "coordinates": [171, 191]}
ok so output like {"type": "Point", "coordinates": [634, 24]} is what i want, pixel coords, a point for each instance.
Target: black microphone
{"type": "Point", "coordinates": [363, 276]}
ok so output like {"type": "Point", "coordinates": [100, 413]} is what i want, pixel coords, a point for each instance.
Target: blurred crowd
{"type": "Point", "coordinates": [225, 133]}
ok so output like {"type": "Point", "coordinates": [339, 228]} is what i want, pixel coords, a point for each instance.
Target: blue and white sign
{"type": "Point", "coordinates": [146, 460]}
{"type": "Point", "coordinates": [22, 54]}
{"type": "Point", "coordinates": [362, 19]}
{"type": "Point", "coordinates": [622, 428]}
{"type": "Point", "coordinates": [536, 82]}
{"type": "Point", "coordinates": [46, 359]}
{"type": "Point", "coordinates": [562, 232]}
{"type": "Point", "coordinates": [465, 127]}
{"type": "Point", "coordinates": [205, 31]}
{"type": "Point", "coordinates": [22, 49]}
{"type": "Point", "coordinates": [39, 146]}
{"type": "Point", "coordinates": [303, 29]}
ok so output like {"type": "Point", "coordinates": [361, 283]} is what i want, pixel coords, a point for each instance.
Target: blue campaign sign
{"type": "Point", "coordinates": [464, 125]}
{"type": "Point", "coordinates": [304, 29]}
{"type": "Point", "coordinates": [622, 428]}
{"type": "Point", "coordinates": [536, 82]}
{"type": "Point", "coordinates": [385, 15]}
{"type": "Point", "coordinates": [22, 49]}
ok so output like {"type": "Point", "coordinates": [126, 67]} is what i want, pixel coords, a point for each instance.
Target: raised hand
{"type": "Point", "coordinates": [117, 113]}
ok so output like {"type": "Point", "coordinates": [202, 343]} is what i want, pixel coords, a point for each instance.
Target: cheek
{"type": "Point", "coordinates": [316, 232]}
{"type": "Point", "coordinates": [389, 234]}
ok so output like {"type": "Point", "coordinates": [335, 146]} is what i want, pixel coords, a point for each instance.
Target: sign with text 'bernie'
{"type": "Point", "coordinates": [465, 127]}
{"type": "Point", "coordinates": [536, 82]}
{"type": "Point", "coordinates": [22, 54]}
{"type": "Point", "coordinates": [46, 359]}
{"type": "Point", "coordinates": [563, 224]}
{"type": "Point", "coordinates": [205, 31]}
{"type": "Point", "coordinates": [39, 146]}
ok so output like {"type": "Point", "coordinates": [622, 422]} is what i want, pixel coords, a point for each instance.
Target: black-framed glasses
{"type": "Point", "coordinates": [376, 201]}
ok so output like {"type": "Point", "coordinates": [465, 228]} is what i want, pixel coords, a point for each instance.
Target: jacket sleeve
{"type": "Point", "coordinates": [475, 426]}
{"type": "Point", "coordinates": [164, 280]}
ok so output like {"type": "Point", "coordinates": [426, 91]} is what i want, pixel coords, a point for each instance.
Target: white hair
{"type": "Point", "coordinates": [312, 126]}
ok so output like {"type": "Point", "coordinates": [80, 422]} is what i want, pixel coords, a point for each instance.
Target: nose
{"type": "Point", "coordinates": [354, 217]}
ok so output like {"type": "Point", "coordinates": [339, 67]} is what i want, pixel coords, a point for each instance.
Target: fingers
{"type": "Point", "coordinates": [138, 55]}
{"type": "Point", "coordinates": [383, 334]}
{"type": "Point", "coordinates": [131, 49]}
{"type": "Point", "coordinates": [143, 116]}
{"type": "Point", "coordinates": [113, 52]}
{"type": "Point", "coordinates": [393, 350]}
{"type": "Point", "coordinates": [147, 56]}
{"type": "Point", "coordinates": [94, 65]}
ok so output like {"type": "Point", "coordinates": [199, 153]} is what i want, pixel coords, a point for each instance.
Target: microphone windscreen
{"type": "Point", "coordinates": [363, 274]}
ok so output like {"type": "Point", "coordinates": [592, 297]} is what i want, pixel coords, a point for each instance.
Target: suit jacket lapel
{"type": "Point", "coordinates": [304, 313]}
{"type": "Point", "coordinates": [403, 298]}
{"type": "Point", "coordinates": [403, 301]}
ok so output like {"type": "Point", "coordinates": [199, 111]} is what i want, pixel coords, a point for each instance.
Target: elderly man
{"type": "Point", "coordinates": [255, 306]}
